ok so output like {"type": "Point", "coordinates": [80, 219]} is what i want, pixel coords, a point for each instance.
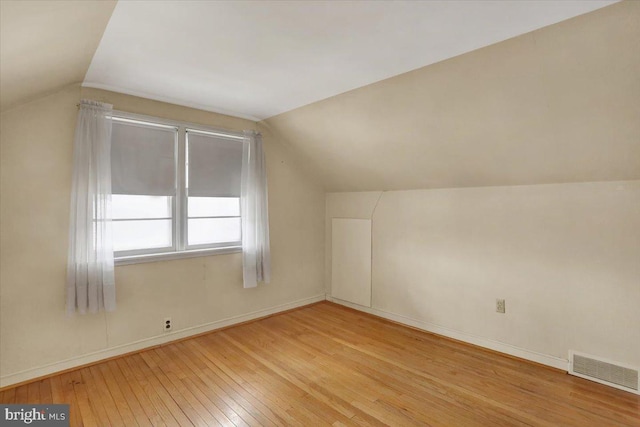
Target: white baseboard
{"type": "Point", "coordinates": [18, 377]}
{"type": "Point", "coordinates": [544, 359]}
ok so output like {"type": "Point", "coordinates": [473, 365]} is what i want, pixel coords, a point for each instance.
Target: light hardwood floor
{"type": "Point", "coordinates": [326, 364]}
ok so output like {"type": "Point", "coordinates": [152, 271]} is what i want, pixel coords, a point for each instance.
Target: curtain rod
{"type": "Point", "coordinates": [189, 124]}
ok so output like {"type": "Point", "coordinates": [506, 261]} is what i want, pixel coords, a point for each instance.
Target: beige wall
{"type": "Point", "coordinates": [35, 334]}
{"type": "Point", "coordinates": [564, 256]}
{"type": "Point", "coordinates": [534, 142]}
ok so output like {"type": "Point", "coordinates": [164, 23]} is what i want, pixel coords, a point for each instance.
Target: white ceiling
{"type": "Point", "coordinates": [257, 59]}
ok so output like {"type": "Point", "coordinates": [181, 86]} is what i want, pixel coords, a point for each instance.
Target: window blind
{"type": "Point", "coordinates": [143, 159]}
{"type": "Point", "coordinates": [214, 165]}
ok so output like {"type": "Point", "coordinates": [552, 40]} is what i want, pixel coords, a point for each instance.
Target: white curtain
{"type": "Point", "coordinates": [90, 272]}
{"type": "Point", "coordinates": [256, 255]}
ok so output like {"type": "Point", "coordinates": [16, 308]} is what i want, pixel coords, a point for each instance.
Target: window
{"type": "Point", "coordinates": [176, 189]}
{"type": "Point", "coordinates": [214, 164]}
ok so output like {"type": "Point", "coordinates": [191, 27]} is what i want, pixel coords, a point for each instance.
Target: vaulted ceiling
{"type": "Point", "coordinates": [257, 59]}
{"type": "Point", "coordinates": [252, 59]}
{"type": "Point", "coordinates": [560, 104]}
{"type": "Point", "coordinates": [373, 95]}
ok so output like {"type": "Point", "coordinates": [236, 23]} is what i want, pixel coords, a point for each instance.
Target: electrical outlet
{"type": "Point", "coordinates": [500, 307]}
{"type": "Point", "coordinates": [167, 324]}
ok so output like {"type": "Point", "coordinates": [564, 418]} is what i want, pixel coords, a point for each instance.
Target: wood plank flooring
{"type": "Point", "coordinates": [326, 365]}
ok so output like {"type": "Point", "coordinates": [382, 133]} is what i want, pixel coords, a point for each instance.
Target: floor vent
{"type": "Point", "coordinates": [605, 372]}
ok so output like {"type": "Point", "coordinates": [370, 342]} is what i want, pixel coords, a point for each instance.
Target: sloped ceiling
{"type": "Point", "coordinates": [45, 45]}
{"type": "Point", "coordinates": [560, 104]}
{"type": "Point", "coordinates": [256, 59]}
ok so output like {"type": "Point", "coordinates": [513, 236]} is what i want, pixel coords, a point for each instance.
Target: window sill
{"type": "Point", "coordinates": [139, 259]}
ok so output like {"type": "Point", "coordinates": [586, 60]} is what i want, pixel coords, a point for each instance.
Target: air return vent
{"type": "Point", "coordinates": [605, 372]}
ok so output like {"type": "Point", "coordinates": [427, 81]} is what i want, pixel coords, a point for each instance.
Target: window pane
{"type": "Point", "coordinates": [204, 231]}
{"type": "Point", "coordinates": [128, 207]}
{"type": "Point", "coordinates": [214, 206]}
{"type": "Point", "coordinates": [131, 235]}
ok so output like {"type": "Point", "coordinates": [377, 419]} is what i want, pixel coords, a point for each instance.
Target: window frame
{"type": "Point", "coordinates": [180, 248]}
